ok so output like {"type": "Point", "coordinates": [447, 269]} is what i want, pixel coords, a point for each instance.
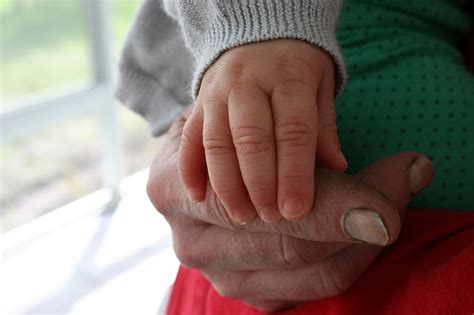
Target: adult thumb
{"type": "Point", "coordinates": [397, 178]}
{"type": "Point", "coordinates": [367, 207]}
{"type": "Point", "coordinates": [400, 177]}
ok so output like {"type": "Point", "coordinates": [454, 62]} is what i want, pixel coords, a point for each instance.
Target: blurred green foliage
{"type": "Point", "coordinates": [43, 44]}
{"type": "Point", "coordinates": [33, 24]}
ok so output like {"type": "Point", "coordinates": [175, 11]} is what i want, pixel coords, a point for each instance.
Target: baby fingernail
{"type": "Point", "coordinates": [243, 217]}
{"type": "Point", "coordinates": [270, 215]}
{"type": "Point", "coordinates": [365, 225]}
{"type": "Point", "coordinates": [293, 208]}
{"type": "Point", "coordinates": [420, 174]}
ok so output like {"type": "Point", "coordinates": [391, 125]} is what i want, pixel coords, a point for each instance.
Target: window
{"type": "Point", "coordinates": [65, 146]}
{"type": "Point", "coordinates": [44, 48]}
{"type": "Point", "coordinates": [62, 133]}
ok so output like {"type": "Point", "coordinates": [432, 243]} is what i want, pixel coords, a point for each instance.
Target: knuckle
{"type": "Point", "coordinates": [183, 254]}
{"type": "Point", "coordinates": [231, 71]}
{"type": "Point", "coordinates": [329, 126]}
{"type": "Point", "coordinates": [261, 190]}
{"type": "Point", "coordinates": [157, 194]}
{"type": "Point", "coordinates": [294, 134]}
{"type": "Point", "coordinates": [337, 284]}
{"type": "Point", "coordinates": [151, 188]}
{"type": "Point", "coordinates": [331, 282]}
{"type": "Point", "coordinates": [289, 255]}
{"type": "Point", "coordinates": [251, 140]}
{"type": "Point", "coordinates": [216, 146]}
{"type": "Point", "coordinates": [209, 76]}
{"type": "Point", "coordinates": [186, 140]}
{"type": "Point", "coordinates": [341, 274]}
{"type": "Point", "coordinates": [287, 89]}
{"type": "Point", "coordinates": [320, 288]}
{"type": "Point", "coordinates": [289, 178]}
{"type": "Point", "coordinates": [287, 69]}
{"type": "Point", "coordinates": [233, 67]}
{"type": "Point", "coordinates": [161, 187]}
{"type": "Point", "coordinates": [238, 72]}
{"type": "Point", "coordinates": [225, 291]}
{"type": "Point", "coordinates": [152, 193]}
{"type": "Point", "coordinates": [229, 66]}
{"type": "Point", "coordinates": [227, 286]}
{"type": "Point", "coordinates": [295, 68]}
{"type": "Point", "coordinates": [188, 255]}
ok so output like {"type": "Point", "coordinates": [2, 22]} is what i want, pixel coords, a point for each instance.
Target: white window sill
{"type": "Point", "coordinates": [80, 260]}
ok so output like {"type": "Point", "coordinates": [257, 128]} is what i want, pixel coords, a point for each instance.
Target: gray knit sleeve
{"type": "Point", "coordinates": [157, 71]}
{"type": "Point", "coordinates": [211, 27]}
{"type": "Point", "coordinates": [155, 68]}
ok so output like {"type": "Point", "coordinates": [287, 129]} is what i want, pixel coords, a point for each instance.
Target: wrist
{"type": "Point", "coordinates": [310, 21]}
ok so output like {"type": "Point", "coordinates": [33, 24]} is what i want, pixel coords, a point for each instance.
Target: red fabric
{"type": "Point", "coordinates": [430, 270]}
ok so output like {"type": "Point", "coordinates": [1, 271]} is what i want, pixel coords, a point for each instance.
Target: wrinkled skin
{"type": "Point", "coordinates": [273, 266]}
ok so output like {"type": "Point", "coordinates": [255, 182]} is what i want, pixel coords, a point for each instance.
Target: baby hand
{"type": "Point", "coordinates": [263, 118]}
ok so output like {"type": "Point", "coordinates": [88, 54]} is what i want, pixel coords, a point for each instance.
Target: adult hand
{"type": "Point", "coordinates": [272, 266]}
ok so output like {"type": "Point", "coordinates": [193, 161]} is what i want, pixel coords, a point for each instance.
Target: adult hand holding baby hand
{"type": "Point", "coordinates": [272, 266]}
{"type": "Point", "coordinates": [263, 117]}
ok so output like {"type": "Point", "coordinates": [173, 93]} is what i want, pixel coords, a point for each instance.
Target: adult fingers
{"type": "Point", "coordinates": [191, 160]}
{"type": "Point", "coordinates": [251, 124]}
{"type": "Point", "coordinates": [223, 166]}
{"type": "Point", "coordinates": [348, 209]}
{"type": "Point", "coordinates": [329, 154]}
{"type": "Point", "coordinates": [343, 201]}
{"type": "Point", "coordinates": [164, 187]}
{"type": "Point", "coordinates": [207, 246]}
{"type": "Point", "coordinates": [295, 119]}
{"type": "Point", "coordinates": [329, 277]}
{"type": "Point", "coordinates": [363, 213]}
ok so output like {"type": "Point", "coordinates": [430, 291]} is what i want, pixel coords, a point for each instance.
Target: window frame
{"type": "Point", "coordinates": [96, 98]}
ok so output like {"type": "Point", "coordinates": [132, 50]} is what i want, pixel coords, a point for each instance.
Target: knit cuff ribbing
{"type": "Point", "coordinates": [243, 22]}
{"type": "Point", "coordinates": [148, 98]}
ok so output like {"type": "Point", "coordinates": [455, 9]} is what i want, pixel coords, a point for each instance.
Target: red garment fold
{"type": "Point", "coordinates": [430, 270]}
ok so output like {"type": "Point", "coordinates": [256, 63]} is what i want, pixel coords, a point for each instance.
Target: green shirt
{"type": "Point", "coordinates": [408, 90]}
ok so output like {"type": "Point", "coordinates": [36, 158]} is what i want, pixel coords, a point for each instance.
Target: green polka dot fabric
{"type": "Point", "coordinates": [409, 90]}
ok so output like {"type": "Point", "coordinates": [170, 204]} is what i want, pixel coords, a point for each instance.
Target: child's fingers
{"type": "Point", "coordinates": [223, 166]}
{"type": "Point", "coordinates": [329, 152]}
{"type": "Point", "coordinates": [251, 123]}
{"type": "Point", "coordinates": [295, 123]}
{"type": "Point", "coordinates": [192, 162]}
